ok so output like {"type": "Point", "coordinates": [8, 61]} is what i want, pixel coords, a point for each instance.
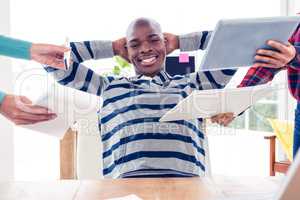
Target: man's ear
{"type": "Point", "coordinates": [167, 44]}
{"type": "Point", "coordinates": [126, 54]}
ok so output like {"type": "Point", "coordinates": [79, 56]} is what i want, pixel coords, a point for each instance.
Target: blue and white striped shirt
{"type": "Point", "coordinates": [135, 143]}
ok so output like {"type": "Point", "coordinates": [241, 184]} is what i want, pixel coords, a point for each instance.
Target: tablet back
{"type": "Point", "coordinates": [234, 42]}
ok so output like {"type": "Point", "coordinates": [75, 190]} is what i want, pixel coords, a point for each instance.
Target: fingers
{"type": "Point", "coordinates": [271, 54]}
{"type": "Point", "coordinates": [26, 122]}
{"type": "Point", "coordinates": [270, 60]}
{"type": "Point", "coordinates": [25, 105]}
{"type": "Point", "coordinates": [228, 119]}
{"type": "Point", "coordinates": [34, 109]}
{"type": "Point", "coordinates": [35, 117]}
{"type": "Point", "coordinates": [30, 114]}
{"type": "Point", "coordinates": [24, 99]}
{"type": "Point", "coordinates": [256, 65]}
{"type": "Point", "coordinates": [55, 62]}
{"type": "Point", "coordinates": [21, 118]}
{"type": "Point", "coordinates": [223, 118]}
{"type": "Point", "coordinates": [278, 45]}
{"type": "Point", "coordinates": [50, 48]}
{"type": "Point", "coordinates": [60, 49]}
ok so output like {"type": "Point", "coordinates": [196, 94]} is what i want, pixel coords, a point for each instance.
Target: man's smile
{"type": "Point", "coordinates": [148, 60]}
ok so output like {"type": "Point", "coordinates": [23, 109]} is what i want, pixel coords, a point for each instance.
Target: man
{"type": "Point", "coordinates": [135, 143]}
{"type": "Point", "coordinates": [19, 109]}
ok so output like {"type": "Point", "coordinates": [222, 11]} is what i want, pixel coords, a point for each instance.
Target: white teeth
{"type": "Point", "coordinates": [149, 60]}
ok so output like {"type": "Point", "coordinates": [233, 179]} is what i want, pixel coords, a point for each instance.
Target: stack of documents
{"type": "Point", "coordinates": [207, 103]}
{"type": "Point", "coordinates": [69, 105]}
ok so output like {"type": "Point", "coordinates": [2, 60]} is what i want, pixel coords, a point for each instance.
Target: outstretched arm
{"type": "Point", "coordinates": [79, 76]}
{"type": "Point", "coordinates": [43, 53]}
{"type": "Point", "coordinates": [203, 79]}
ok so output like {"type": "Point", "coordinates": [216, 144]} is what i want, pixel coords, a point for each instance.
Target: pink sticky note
{"type": "Point", "coordinates": [183, 58]}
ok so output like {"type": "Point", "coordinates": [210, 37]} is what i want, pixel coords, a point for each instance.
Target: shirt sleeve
{"type": "Point", "coordinates": [79, 76]}
{"type": "Point", "coordinates": [87, 50]}
{"type": "Point", "coordinates": [295, 40]}
{"type": "Point", "coordinates": [2, 95]}
{"type": "Point", "coordinates": [204, 80]}
{"type": "Point", "coordinates": [258, 76]}
{"type": "Point", "coordinates": [194, 41]}
{"type": "Point", "coordinates": [15, 48]}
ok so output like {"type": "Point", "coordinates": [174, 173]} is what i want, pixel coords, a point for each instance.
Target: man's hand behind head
{"type": "Point", "coordinates": [120, 49]}
{"type": "Point", "coordinates": [171, 41]}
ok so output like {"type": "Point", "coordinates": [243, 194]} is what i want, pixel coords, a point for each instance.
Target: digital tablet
{"type": "Point", "coordinates": [234, 42]}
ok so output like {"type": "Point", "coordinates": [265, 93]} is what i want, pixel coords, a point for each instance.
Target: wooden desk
{"type": "Point", "coordinates": [173, 188]}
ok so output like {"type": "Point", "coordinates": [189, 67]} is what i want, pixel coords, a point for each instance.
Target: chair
{"type": "Point", "coordinates": [81, 151]}
{"type": "Point", "coordinates": [284, 134]}
{"type": "Point", "coordinates": [68, 148]}
{"type": "Point", "coordinates": [276, 166]}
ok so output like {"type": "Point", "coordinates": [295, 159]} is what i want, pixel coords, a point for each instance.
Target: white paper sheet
{"type": "Point", "coordinates": [207, 103]}
{"type": "Point", "coordinates": [129, 197]}
{"type": "Point", "coordinates": [69, 105]}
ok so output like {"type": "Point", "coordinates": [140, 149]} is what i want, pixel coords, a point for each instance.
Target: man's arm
{"type": "Point", "coordinates": [88, 50]}
{"type": "Point", "coordinates": [204, 79]}
{"type": "Point", "coordinates": [79, 76]}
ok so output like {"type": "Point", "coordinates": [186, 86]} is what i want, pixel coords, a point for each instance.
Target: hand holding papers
{"type": "Point", "coordinates": [69, 105]}
{"type": "Point", "coordinates": [208, 103]}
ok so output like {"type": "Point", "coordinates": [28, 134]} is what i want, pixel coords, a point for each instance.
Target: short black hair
{"type": "Point", "coordinates": [141, 22]}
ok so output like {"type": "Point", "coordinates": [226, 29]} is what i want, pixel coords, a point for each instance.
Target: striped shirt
{"type": "Point", "coordinates": [135, 143]}
{"type": "Point", "coordinates": [261, 75]}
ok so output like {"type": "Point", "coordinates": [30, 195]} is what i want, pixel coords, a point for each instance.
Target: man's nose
{"type": "Point", "coordinates": [146, 47]}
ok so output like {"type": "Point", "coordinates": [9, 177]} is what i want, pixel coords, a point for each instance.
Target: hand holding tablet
{"type": "Point", "coordinates": [234, 42]}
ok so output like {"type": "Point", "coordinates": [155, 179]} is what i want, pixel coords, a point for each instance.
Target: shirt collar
{"type": "Point", "coordinates": [161, 78]}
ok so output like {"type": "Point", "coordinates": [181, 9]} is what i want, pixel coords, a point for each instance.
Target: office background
{"type": "Point", "coordinates": [26, 155]}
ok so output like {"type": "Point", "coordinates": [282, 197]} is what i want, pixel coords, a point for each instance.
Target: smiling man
{"type": "Point", "coordinates": [135, 143]}
{"type": "Point", "coordinates": [146, 47]}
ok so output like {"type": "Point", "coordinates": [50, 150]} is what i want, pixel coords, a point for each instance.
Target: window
{"type": "Point", "coordinates": [256, 118]}
{"type": "Point", "coordinates": [52, 20]}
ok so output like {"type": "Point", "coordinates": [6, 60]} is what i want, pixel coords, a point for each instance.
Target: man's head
{"type": "Point", "coordinates": [146, 46]}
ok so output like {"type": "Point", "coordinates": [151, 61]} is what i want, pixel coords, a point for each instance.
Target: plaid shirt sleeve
{"type": "Point", "coordinates": [295, 40]}
{"type": "Point", "coordinates": [294, 66]}
{"type": "Point", "coordinates": [258, 76]}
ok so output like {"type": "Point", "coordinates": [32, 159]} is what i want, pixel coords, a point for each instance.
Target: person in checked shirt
{"type": "Point", "coordinates": [287, 58]}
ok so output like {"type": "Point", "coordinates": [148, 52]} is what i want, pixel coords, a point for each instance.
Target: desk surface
{"type": "Point", "coordinates": [171, 188]}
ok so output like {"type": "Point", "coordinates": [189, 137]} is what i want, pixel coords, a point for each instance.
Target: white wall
{"type": "Point", "coordinates": [6, 128]}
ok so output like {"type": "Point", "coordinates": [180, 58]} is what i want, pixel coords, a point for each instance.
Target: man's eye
{"type": "Point", "coordinates": [155, 40]}
{"type": "Point", "coordinates": [133, 45]}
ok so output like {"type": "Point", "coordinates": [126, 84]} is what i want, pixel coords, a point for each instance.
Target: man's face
{"type": "Point", "coordinates": [146, 49]}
